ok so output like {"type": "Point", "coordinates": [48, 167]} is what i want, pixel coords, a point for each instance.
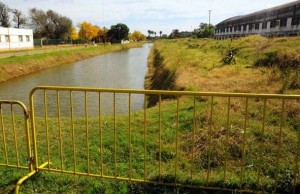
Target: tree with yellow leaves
{"type": "Point", "coordinates": [73, 34]}
{"type": "Point", "coordinates": [87, 30]}
{"type": "Point", "coordinates": [137, 36]}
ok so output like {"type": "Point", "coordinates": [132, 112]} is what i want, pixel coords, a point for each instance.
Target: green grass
{"type": "Point", "coordinates": [185, 64]}
{"type": "Point", "coordinates": [196, 64]}
{"type": "Point", "coordinates": [197, 138]}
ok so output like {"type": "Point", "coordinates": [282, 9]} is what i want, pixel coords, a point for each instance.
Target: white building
{"type": "Point", "coordinates": [14, 38]}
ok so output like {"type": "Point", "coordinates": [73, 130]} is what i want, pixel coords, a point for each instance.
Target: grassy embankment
{"type": "Point", "coordinates": [187, 64]}
{"type": "Point", "coordinates": [13, 67]}
{"type": "Point", "coordinates": [195, 65]}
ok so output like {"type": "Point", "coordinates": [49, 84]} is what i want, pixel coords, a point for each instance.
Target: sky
{"type": "Point", "coordinates": [144, 15]}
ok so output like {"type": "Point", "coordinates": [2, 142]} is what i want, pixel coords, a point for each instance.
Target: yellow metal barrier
{"type": "Point", "coordinates": [15, 148]}
{"type": "Point", "coordinates": [243, 142]}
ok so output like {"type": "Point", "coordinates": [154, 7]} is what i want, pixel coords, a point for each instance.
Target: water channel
{"type": "Point", "coordinates": [124, 69]}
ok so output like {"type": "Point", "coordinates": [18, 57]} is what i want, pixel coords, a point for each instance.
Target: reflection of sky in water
{"type": "Point", "coordinates": [77, 103]}
{"type": "Point", "coordinates": [125, 69]}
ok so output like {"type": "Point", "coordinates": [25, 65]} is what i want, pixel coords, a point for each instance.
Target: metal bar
{"type": "Point", "coordinates": [129, 138]}
{"type": "Point", "coordinates": [176, 143]}
{"type": "Point", "coordinates": [3, 134]}
{"type": "Point", "coordinates": [296, 164]}
{"type": "Point", "coordinates": [193, 140]}
{"type": "Point", "coordinates": [100, 135]}
{"type": "Point", "coordinates": [27, 136]}
{"type": "Point", "coordinates": [174, 93]}
{"type": "Point", "coordinates": [279, 145]}
{"type": "Point", "coordinates": [226, 143]}
{"type": "Point", "coordinates": [159, 140]}
{"type": "Point", "coordinates": [47, 126]}
{"type": "Point", "coordinates": [145, 137]}
{"type": "Point", "coordinates": [115, 136]}
{"type": "Point", "coordinates": [244, 143]}
{"type": "Point", "coordinates": [30, 174]}
{"type": "Point", "coordinates": [34, 143]}
{"type": "Point", "coordinates": [73, 131]}
{"type": "Point", "coordinates": [261, 145]}
{"type": "Point", "coordinates": [210, 139]}
{"type": "Point", "coordinates": [15, 134]}
{"type": "Point", "coordinates": [87, 131]}
{"type": "Point", "coordinates": [60, 130]}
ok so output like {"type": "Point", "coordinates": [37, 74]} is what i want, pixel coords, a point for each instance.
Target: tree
{"type": "Point", "coordinates": [119, 31]}
{"type": "Point", "coordinates": [62, 25]}
{"type": "Point", "coordinates": [137, 36]}
{"type": "Point", "coordinates": [160, 32]}
{"type": "Point", "coordinates": [205, 30]}
{"type": "Point", "coordinates": [74, 34]}
{"type": "Point", "coordinates": [87, 31]}
{"type": "Point", "coordinates": [99, 34]}
{"type": "Point", "coordinates": [18, 18]}
{"type": "Point", "coordinates": [104, 35]}
{"type": "Point", "coordinates": [4, 16]}
{"type": "Point", "coordinates": [40, 23]}
{"type": "Point", "coordinates": [49, 24]}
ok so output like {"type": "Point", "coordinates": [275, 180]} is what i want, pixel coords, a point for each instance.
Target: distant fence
{"type": "Point", "coordinates": [49, 42]}
{"type": "Point", "coordinates": [219, 141]}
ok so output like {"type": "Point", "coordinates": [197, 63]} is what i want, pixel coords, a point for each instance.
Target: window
{"type": "Point", "coordinates": [295, 21]}
{"type": "Point", "coordinates": [273, 23]}
{"type": "Point", "coordinates": [283, 22]}
{"type": "Point", "coordinates": [27, 39]}
{"type": "Point", "coordinates": [7, 39]}
{"type": "Point", "coordinates": [250, 27]}
{"type": "Point", "coordinates": [20, 38]}
{"type": "Point", "coordinates": [256, 26]}
{"type": "Point", "coordinates": [264, 25]}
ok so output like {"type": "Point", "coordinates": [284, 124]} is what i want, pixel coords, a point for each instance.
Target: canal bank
{"type": "Point", "coordinates": [14, 67]}
{"type": "Point", "coordinates": [124, 69]}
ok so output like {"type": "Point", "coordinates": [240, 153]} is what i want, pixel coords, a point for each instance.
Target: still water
{"type": "Point", "coordinates": [124, 69]}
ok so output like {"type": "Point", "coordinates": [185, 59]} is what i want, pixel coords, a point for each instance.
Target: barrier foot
{"type": "Point", "coordinates": [27, 176]}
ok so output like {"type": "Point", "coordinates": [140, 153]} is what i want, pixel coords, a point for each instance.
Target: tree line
{"type": "Point", "coordinates": [52, 25]}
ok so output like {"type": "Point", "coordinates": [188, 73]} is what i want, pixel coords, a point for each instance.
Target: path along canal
{"type": "Point", "coordinates": [124, 69]}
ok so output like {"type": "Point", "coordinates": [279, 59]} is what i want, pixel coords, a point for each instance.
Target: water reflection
{"type": "Point", "coordinates": [125, 69]}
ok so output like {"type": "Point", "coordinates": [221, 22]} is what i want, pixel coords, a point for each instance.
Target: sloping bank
{"type": "Point", "coordinates": [159, 76]}
{"type": "Point", "coordinates": [14, 67]}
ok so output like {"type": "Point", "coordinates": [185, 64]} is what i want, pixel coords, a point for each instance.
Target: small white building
{"type": "Point", "coordinates": [15, 38]}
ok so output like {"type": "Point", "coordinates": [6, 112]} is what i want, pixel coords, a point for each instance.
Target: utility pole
{"type": "Point", "coordinates": [209, 13]}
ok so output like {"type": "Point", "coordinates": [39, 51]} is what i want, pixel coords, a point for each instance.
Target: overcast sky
{"type": "Point", "coordinates": [144, 15]}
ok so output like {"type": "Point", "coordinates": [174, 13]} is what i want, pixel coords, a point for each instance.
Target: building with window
{"type": "Point", "coordinates": [283, 20]}
{"type": "Point", "coordinates": [14, 38]}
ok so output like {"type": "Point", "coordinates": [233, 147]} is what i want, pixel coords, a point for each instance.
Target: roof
{"type": "Point", "coordinates": [286, 5]}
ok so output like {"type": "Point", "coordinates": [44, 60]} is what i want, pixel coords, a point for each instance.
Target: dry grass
{"type": "Point", "coordinates": [197, 63]}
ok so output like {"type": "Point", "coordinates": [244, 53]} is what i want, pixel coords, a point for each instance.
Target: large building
{"type": "Point", "coordinates": [14, 38]}
{"type": "Point", "coordinates": [283, 20]}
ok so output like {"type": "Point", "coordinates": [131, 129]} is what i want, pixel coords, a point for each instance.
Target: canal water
{"type": "Point", "coordinates": [124, 69]}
